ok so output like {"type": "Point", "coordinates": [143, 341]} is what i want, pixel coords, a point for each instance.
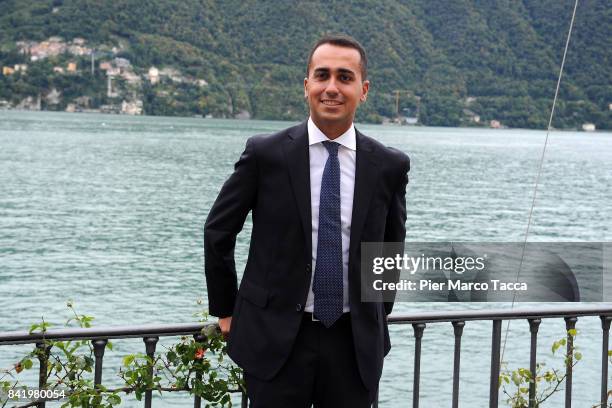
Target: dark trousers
{"type": "Point", "coordinates": [321, 370]}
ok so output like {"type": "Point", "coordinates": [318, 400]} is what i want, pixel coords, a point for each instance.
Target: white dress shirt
{"type": "Point", "coordinates": [347, 153]}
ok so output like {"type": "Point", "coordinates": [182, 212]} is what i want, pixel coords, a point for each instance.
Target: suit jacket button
{"type": "Point", "coordinates": [298, 307]}
{"type": "Point", "coordinates": [307, 268]}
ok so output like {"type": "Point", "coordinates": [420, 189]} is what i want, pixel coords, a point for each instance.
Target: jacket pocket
{"type": "Point", "coordinates": [253, 293]}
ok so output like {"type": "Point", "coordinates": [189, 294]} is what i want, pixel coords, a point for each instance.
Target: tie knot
{"type": "Point", "coordinates": [332, 148]}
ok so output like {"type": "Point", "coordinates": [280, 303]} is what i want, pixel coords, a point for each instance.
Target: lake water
{"type": "Point", "coordinates": [108, 211]}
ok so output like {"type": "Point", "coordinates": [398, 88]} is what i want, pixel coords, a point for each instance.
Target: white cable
{"type": "Point", "coordinates": [537, 180]}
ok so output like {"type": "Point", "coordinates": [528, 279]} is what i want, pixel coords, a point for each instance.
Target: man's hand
{"type": "Point", "coordinates": [224, 324]}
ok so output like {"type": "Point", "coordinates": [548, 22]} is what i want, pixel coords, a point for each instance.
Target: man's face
{"type": "Point", "coordinates": [334, 87]}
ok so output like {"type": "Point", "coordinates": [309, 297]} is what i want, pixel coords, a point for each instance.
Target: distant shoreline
{"type": "Point", "coordinates": [598, 131]}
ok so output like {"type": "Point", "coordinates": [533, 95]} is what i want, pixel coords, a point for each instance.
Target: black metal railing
{"type": "Point", "coordinates": [151, 334]}
{"type": "Point", "coordinates": [534, 316]}
{"type": "Point", "coordinates": [99, 337]}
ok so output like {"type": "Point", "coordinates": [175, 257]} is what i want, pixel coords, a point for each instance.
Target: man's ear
{"type": "Point", "coordinates": [305, 88]}
{"type": "Point", "coordinates": [365, 86]}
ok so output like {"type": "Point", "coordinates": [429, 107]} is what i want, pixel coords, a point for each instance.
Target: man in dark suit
{"type": "Point", "coordinates": [297, 325]}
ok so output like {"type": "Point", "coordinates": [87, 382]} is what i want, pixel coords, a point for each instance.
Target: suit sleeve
{"type": "Point", "coordinates": [225, 220]}
{"type": "Point", "coordinates": [395, 227]}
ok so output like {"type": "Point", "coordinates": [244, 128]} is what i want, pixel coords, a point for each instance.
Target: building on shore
{"type": "Point", "coordinates": [53, 97]}
{"type": "Point", "coordinates": [495, 124]}
{"type": "Point", "coordinates": [30, 103]}
{"type": "Point", "coordinates": [588, 127]}
{"type": "Point", "coordinates": [131, 107]}
{"type": "Point", "coordinates": [112, 108]}
{"type": "Point", "coordinates": [105, 66]}
{"type": "Point", "coordinates": [122, 63]}
{"type": "Point", "coordinates": [131, 77]}
{"type": "Point", "coordinates": [153, 75]}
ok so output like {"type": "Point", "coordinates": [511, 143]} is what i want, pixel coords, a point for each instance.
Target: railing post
{"type": "Point", "coordinates": [150, 343]}
{"type": "Point", "coordinates": [244, 402]}
{"type": "Point", "coordinates": [534, 324]}
{"type": "Point", "coordinates": [605, 326]}
{"type": "Point", "coordinates": [570, 324]}
{"type": "Point", "coordinates": [98, 346]}
{"type": "Point", "coordinates": [43, 358]}
{"type": "Point", "coordinates": [418, 335]}
{"type": "Point", "coordinates": [458, 329]}
{"type": "Point", "coordinates": [495, 363]}
{"type": "Point", "coordinates": [197, 400]}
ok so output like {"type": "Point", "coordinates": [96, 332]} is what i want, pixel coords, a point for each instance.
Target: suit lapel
{"type": "Point", "coordinates": [298, 163]}
{"type": "Point", "coordinates": [366, 177]}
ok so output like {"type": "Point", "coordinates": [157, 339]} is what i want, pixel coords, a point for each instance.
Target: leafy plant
{"type": "Point", "coordinates": [515, 384]}
{"type": "Point", "coordinates": [197, 365]}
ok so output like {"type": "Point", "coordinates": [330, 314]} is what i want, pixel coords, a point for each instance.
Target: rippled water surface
{"type": "Point", "coordinates": [108, 211]}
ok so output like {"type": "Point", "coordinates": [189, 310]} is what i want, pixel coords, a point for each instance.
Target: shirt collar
{"type": "Point", "coordinates": [347, 139]}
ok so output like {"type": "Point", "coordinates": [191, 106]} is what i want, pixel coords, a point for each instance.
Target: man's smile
{"type": "Point", "coordinates": [331, 102]}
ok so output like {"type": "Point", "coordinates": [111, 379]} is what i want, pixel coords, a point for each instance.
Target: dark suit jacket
{"type": "Point", "coordinates": [272, 179]}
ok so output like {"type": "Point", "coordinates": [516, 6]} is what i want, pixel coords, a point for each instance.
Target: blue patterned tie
{"type": "Point", "coordinates": [327, 285]}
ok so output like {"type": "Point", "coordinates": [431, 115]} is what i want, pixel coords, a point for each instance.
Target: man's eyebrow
{"type": "Point", "coordinates": [340, 70]}
{"type": "Point", "coordinates": [346, 71]}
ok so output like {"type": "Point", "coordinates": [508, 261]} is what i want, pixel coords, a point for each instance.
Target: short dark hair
{"type": "Point", "coordinates": [341, 40]}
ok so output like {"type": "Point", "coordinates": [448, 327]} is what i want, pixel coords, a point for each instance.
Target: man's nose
{"type": "Point", "coordinates": [331, 87]}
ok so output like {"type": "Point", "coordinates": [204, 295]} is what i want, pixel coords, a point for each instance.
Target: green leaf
{"type": "Point", "coordinates": [578, 356]}
{"type": "Point", "coordinates": [81, 363]}
{"type": "Point", "coordinates": [27, 363]}
{"type": "Point", "coordinates": [129, 359]}
{"type": "Point", "coordinates": [114, 399]}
